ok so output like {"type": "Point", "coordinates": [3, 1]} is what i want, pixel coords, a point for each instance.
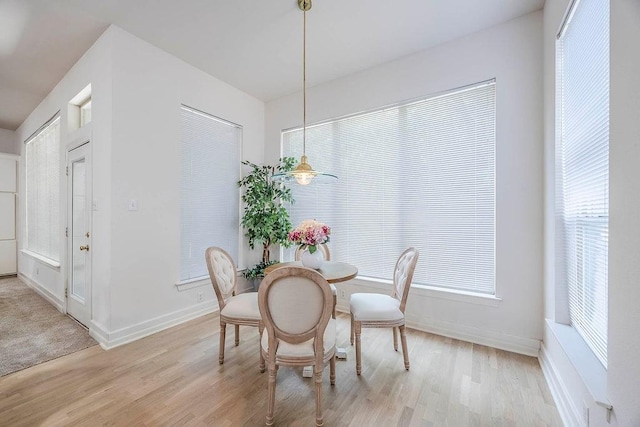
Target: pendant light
{"type": "Point", "coordinates": [304, 174]}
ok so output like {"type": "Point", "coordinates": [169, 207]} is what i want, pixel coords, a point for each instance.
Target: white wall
{"type": "Point", "coordinates": [624, 251]}
{"type": "Point", "coordinates": [148, 87]}
{"type": "Point", "coordinates": [137, 91]}
{"type": "Point", "coordinates": [94, 67]}
{"type": "Point", "coordinates": [575, 384]}
{"type": "Point", "coordinates": [511, 53]}
{"type": "Point", "coordinates": [8, 142]}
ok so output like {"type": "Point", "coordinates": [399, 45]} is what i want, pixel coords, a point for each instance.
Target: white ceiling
{"type": "Point", "coordinates": [254, 45]}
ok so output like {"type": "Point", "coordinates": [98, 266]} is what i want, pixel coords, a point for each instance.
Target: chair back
{"type": "Point", "coordinates": [222, 272]}
{"type": "Point", "coordinates": [322, 247]}
{"type": "Point", "coordinates": [295, 304]}
{"type": "Point", "coordinates": [403, 275]}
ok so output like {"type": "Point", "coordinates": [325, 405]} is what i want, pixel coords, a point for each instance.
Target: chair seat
{"type": "Point", "coordinates": [304, 349]}
{"type": "Point", "coordinates": [242, 306]}
{"type": "Point", "coordinates": [366, 307]}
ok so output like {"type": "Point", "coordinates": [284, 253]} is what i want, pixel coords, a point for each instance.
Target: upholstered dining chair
{"type": "Point", "coordinates": [372, 310]}
{"type": "Point", "coordinates": [235, 309]}
{"type": "Point", "coordinates": [327, 257]}
{"type": "Point", "coordinates": [295, 303]}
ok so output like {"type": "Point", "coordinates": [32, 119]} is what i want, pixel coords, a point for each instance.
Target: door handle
{"type": "Point", "coordinates": [84, 248]}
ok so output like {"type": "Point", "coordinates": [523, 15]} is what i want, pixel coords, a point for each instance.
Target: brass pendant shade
{"type": "Point", "coordinates": [304, 174]}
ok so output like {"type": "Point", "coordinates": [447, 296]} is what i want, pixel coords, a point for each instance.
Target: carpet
{"type": "Point", "coordinates": [32, 330]}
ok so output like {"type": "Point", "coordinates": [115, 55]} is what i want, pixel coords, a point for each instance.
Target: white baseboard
{"type": "Point", "coordinates": [109, 340]}
{"type": "Point", "coordinates": [526, 346]}
{"type": "Point", "coordinates": [99, 333]}
{"type": "Point", "coordinates": [567, 410]}
{"type": "Point", "coordinates": [44, 293]}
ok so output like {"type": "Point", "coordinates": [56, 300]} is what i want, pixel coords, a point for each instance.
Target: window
{"type": "Point", "coordinates": [209, 193]}
{"type": "Point", "coordinates": [421, 174]}
{"type": "Point", "coordinates": [42, 157]}
{"type": "Point", "coordinates": [85, 112]}
{"type": "Point", "coordinates": [582, 164]}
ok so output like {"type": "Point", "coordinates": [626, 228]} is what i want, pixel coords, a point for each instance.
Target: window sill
{"type": "Point", "coordinates": [592, 372]}
{"type": "Point", "coordinates": [42, 259]}
{"type": "Point", "coordinates": [197, 282]}
{"type": "Point", "coordinates": [433, 292]}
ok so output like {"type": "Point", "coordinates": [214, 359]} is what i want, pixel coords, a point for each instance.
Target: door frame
{"type": "Point", "coordinates": [83, 142]}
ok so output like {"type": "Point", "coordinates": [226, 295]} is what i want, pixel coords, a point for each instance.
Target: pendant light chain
{"type": "Point", "coordinates": [304, 82]}
{"type": "Point", "coordinates": [303, 173]}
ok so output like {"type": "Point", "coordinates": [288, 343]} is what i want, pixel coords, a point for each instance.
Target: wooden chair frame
{"type": "Point", "coordinates": [276, 335]}
{"type": "Point", "coordinates": [396, 325]}
{"type": "Point", "coordinates": [222, 301]}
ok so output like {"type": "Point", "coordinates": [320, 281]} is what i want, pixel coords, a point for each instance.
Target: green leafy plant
{"type": "Point", "coordinates": [265, 219]}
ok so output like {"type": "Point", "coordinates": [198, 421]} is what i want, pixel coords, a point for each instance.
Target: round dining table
{"type": "Point", "coordinates": [333, 271]}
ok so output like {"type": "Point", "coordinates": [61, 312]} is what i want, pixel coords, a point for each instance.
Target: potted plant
{"type": "Point", "coordinates": [265, 219]}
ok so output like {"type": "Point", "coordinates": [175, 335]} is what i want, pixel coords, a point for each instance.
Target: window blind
{"type": "Point", "coordinates": [421, 174]}
{"type": "Point", "coordinates": [209, 193]}
{"type": "Point", "coordinates": [42, 189]}
{"type": "Point", "coordinates": [583, 168]}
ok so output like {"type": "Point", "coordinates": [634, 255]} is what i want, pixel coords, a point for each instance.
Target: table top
{"type": "Point", "coordinates": [333, 271]}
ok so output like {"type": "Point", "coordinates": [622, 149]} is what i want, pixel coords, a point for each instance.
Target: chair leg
{"type": "Point", "coordinates": [318, 380]}
{"type": "Point", "coordinates": [271, 393]}
{"type": "Point", "coordinates": [395, 338]}
{"type": "Point", "coordinates": [335, 302]}
{"type": "Point", "coordinates": [351, 331]}
{"type": "Point", "coordinates": [332, 370]}
{"type": "Point", "coordinates": [405, 353]}
{"type": "Point", "coordinates": [260, 329]}
{"type": "Point", "coordinates": [237, 334]}
{"type": "Point", "coordinates": [223, 330]}
{"type": "Point", "coordinates": [358, 327]}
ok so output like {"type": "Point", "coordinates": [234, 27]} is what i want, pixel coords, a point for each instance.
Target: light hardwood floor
{"type": "Point", "coordinates": [173, 378]}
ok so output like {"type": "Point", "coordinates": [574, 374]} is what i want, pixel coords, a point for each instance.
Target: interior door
{"type": "Point", "coordinates": [79, 233]}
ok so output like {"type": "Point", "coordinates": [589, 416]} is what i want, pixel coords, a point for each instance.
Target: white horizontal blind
{"type": "Point", "coordinates": [42, 188]}
{"type": "Point", "coordinates": [209, 193]}
{"type": "Point", "coordinates": [583, 173]}
{"type": "Point", "coordinates": [421, 174]}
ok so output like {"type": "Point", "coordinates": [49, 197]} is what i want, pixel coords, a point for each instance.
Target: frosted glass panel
{"type": "Point", "coordinates": [79, 229]}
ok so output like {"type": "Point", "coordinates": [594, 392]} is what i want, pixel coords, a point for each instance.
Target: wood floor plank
{"type": "Point", "coordinates": [173, 378]}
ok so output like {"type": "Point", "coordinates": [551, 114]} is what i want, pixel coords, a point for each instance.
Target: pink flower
{"type": "Point", "coordinates": [310, 233]}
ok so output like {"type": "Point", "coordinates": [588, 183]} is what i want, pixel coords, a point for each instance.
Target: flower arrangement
{"type": "Point", "coordinates": [310, 233]}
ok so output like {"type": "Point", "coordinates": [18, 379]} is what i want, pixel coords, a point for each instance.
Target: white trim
{"type": "Point", "coordinates": [197, 282]}
{"type": "Point", "coordinates": [82, 97]}
{"type": "Point", "coordinates": [566, 19]}
{"type": "Point", "coordinates": [10, 156]}
{"type": "Point", "coordinates": [591, 371]}
{"type": "Point", "coordinates": [98, 333]}
{"type": "Point", "coordinates": [433, 292]}
{"type": "Point", "coordinates": [109, 340]}
{"type": "Point", "coordinates": [512, 343]}
{"type": "Point", "coordinates": [568, 412]}
{"type": "Point", "coordinates": [42, 259]}
{"type": "Point", "coordinates": [515, 344]}
{"type": "Point", "coordinates": [44, 293]}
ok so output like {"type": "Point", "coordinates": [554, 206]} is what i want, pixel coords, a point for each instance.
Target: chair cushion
{"type": "Point", "coordinates": [224, 271]}
{"type": "Point", "coordinates": [370, 307]}
{"type": "Point", "coordinates": [304, 349]}
{"type": "Point", "coordinates": [243, 306]}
